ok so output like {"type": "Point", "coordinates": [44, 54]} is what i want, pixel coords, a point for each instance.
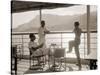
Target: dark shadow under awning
{"type": "Point", "coordinates": [22, 6]}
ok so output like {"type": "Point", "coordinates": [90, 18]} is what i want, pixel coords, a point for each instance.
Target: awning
{"type": "Point", "coordinates": [21, 6]}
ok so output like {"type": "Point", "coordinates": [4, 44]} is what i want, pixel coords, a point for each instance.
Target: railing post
{"type": "Point", "coordinates": [84, 45]}
{"type": "Point", "coordinates": [61, 39]}
{"type": "Point", "coordinates": [22, 46]}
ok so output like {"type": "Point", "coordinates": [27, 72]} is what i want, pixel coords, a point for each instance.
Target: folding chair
{"type": "Point", "coordinates": [36, 58]}
{"type": "Point", "coordinates": [59, 56]}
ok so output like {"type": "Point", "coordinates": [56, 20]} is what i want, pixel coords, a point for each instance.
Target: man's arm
{"type": "Point", "coordinates": [35, 48]}
{"type": "Point", "coordinates": [46, 31]}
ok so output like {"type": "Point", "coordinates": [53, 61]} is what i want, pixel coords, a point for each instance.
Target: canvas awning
{"type": "Point", "coordinates": [21, 6]}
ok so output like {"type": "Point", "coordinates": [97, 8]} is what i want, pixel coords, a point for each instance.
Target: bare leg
{"type": "Point", "coordinates": [78, 56]}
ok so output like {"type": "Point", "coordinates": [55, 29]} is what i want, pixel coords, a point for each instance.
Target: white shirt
{"type": "Point", "coordinates": [41, 33]}
{"type": "Point", "coordinates": [36, 52]}
{"type": "Point", "coordinates": [32, 44]}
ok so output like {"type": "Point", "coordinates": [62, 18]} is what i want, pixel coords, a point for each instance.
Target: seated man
{"type": "Point", "coordinates": [34, 48]}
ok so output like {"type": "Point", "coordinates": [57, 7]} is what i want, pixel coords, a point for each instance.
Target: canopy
{"type": "Point", "coordinates": [21, 6]}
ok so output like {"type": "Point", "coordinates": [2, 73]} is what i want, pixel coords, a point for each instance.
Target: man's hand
{"type": "Point", "coordinates": [41, 45]}
{"type": "Point", "coordinates": [46, 32]}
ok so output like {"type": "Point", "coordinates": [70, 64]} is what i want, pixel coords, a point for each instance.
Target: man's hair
{"type": "Point", "coordinates": [32, 35]}
{"type": "Point", "coordinates": [42, 21]}
{"type": "Point", "coordinates": [76, 23]}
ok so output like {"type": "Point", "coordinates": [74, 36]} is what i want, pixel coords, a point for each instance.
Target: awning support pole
{"type": "Point", "coordinates": [88, 29]}
{"type": "Point", "coordinates": [40, 16]}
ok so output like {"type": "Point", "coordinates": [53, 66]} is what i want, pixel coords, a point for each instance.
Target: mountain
{"type": "Point", "coordinates": [58, 23]}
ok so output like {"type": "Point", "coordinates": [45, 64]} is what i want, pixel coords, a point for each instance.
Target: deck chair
{"type": "Point", "coordinates": [59, 56]}
{"type": "Point", "coordinates": [35, 59]}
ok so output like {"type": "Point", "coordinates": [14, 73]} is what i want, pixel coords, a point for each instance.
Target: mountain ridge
{"type": "Point", "coordinates": [58, 22]}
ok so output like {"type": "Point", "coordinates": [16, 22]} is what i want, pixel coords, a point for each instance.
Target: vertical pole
{"type": "Point", "coordinates": [22, 46]}
{"type": "Point", "coordinates": [61, 39]}
{"type": "Point", "coordinates": [15, 60]}
{"type": "Point", "coordinates": [84, 45]}
{"type": "Point", "coordinates": [88, 29]}
{"type": "Point", "coordinates": [40, 16]}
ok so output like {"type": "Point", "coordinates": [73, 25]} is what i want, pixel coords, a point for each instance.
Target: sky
{"type": "Point", "coordinates": [24, 17]}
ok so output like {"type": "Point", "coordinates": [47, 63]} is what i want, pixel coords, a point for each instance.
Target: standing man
{"type": "Point", "coordinates": [76, 42]}
{"type": "Point", "coordinates": [42, 32]}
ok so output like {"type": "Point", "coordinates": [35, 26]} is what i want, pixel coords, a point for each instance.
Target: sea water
{"type": "Point", "coordinates": [60, 39]}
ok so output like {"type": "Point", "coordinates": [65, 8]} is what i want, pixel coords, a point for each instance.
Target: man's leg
{"type": "Point", "coordinates": [71, 45]}
{"type": "Point", "coordinates": [78, 56]}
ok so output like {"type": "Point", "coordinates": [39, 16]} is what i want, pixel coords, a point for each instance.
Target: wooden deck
{"type": "Point", "coordinates": [23, 67]}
